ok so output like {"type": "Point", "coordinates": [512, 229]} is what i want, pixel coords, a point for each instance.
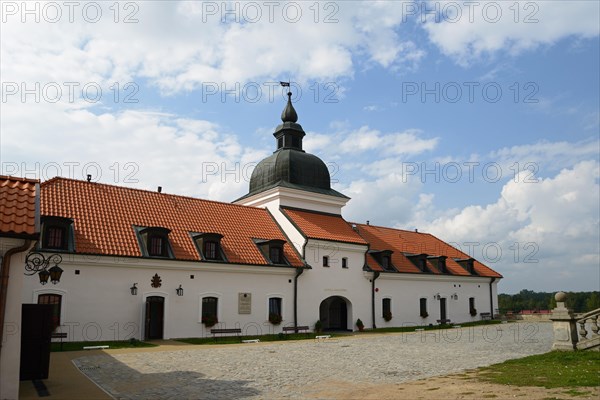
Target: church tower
{"type": "Point", "coordinates": [291, 177]}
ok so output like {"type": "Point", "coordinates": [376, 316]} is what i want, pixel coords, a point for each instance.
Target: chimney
{"type": "Point", "coordinates": [367, 222]}
{"type": "Point", "coordinates": [160, 189]}
{"type": "Point", "coordinates": [89, 177]}
{"type": "Point", "coordinates": [416, 230]}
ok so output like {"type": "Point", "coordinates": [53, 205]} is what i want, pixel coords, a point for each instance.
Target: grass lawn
{"type": "Point", "coordinates": [113, 344]}
{"type": "Point", "coordinates": [557, 369]}
{"type": "Point", "coordinates": [428, 327]}
{"type": "Point", "coordinates": [262, 338]}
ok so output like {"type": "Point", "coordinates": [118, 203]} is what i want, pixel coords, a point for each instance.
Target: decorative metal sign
{"type": "Point", "coordinates": [244, 303]}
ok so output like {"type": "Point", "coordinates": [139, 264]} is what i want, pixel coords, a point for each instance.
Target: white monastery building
{"type": "Point", "coordinates": [150, 265]}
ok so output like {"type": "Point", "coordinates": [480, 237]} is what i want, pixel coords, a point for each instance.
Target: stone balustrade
{"type": "Point", "coordinates": [565, 322]}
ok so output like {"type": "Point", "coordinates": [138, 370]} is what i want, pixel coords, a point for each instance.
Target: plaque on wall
{"type": "Point", "coordinates": [244, 303]}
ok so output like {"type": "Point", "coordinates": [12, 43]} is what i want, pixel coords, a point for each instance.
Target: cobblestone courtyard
{"type": "Point", "coordinates": [299, 369]}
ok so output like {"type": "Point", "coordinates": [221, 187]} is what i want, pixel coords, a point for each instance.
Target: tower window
{"type": "Point", "coordinates": [344, 262]}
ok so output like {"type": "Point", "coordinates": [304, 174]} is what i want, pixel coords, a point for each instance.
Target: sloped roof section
{"type": "Point", "coordinates": [322, 226]}
{"type": "Point", "coordinates": [104, 217]}
{"type": "Point", "coordinates": [401, 242]}
{"type": "Point", "coordinates": [18, 203]}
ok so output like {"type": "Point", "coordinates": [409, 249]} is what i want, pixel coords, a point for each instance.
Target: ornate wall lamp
{"type": "Point", "coordinates": [36, 263]}
{"type": "Point", "coordinates": [133, 289]}
{"type": "Point", "coordinates": [179, 291]}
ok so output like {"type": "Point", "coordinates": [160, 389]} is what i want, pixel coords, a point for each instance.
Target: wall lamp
{"type": "Point", "coordinates": [437, 296]}
{"type": "Point", "coordinates": [455, 296]}
{"type": "Point", "coordinates": [133, 289]}
{"type": "Point", "coordinates": [179, 291]}
{"type": "Point", "coordinates": [36, 263]}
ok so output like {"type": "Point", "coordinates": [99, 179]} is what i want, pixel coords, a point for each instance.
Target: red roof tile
{"type": "Point", "coordinates": [18, 206]}
{"type": "Point", "coordinates": [323, 226]}
{"type": "Point", "coordinates": [400, 241]}
{"type": "Point", "coordinates": [104, 216]}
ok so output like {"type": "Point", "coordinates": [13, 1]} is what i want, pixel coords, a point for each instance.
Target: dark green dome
{"type": "Point", "coordinates": [290, 166]}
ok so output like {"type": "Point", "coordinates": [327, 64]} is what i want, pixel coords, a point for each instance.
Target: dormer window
{"type": "Point", "coordinates": [154, 241]}
{"type": "Point", "coordinates": [420, 261]}
{"type": "Point", "coordinates": [275, 254]}
{"type": "Point", "coordinates": [384, 258]}
{"type": "Point", "coordinates": [439, 262]}
{"type": "Point", "coordinates": [209, 246]}
{"type": "Point", "coordinates": [468, 264]}
{"type": "Point", "coordinates": [272, 250]}
{"type": "Point", "coordinates": [57, 234]}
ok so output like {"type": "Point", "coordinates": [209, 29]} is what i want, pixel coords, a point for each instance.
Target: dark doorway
{"type": "Point", "coordinates": [443, 309]}
{"type": "Point", "coordinates": [36, 328]}
{"type": "Point", "coordinates": [155, 312]}
{"type": "Point", "coordinates": [333, 313]}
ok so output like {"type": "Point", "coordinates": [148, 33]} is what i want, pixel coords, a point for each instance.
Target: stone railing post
{"type": "Point", "coordinates": [565, 328]}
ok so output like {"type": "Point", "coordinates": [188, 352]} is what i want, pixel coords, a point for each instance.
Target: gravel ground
{"type": "Point", "coordinates": [292, 370]}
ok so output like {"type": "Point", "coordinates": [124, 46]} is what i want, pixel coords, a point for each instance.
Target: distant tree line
{"type": "Point", "coordinates": [530, 300]}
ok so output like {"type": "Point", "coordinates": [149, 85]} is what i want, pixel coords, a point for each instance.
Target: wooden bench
{"type": "Point", "coordinates": [223, 331]}
{"type": "Point", "coordinates": [61, 336]}
{"type": "Point", "coordinates": [443, 321]}
{"type": "Point", "coordinates": [296, 329]}
{"type": "Point", "coordinates": [485, 315]}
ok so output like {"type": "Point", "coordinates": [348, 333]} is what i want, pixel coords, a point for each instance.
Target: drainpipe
{"type": "Point", "coordinates": [299, 272]}
{"type": "Point", "coordinates": [375, 276]}
{"type": "Point", "coordinates": [492, 298]}
{"type": "Point", "coordinates": [4, 282]}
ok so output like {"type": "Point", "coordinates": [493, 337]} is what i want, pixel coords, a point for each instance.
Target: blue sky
{"type": "Point", "coordinates": [388, 90]}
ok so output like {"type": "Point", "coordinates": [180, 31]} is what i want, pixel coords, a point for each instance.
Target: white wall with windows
{"type": "Point", "coordinates": [407, 290]}
{"type": "Point", "coordinates": [97, 304]}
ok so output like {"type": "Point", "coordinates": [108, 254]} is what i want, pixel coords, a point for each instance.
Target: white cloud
{"type": "Point", "coordinates": [132, 148]}
{"type": "Point", "coordinates": [365, 139]}
{"type": "Point", "coordinates": [181, 46]}
{"type": "Point", "coordinates": [546, 231]}
{"type": "Point", "coordinates": [519, 26]}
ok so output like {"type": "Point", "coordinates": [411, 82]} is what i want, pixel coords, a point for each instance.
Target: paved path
{"type": "Point", "coordinates": [293, 370]}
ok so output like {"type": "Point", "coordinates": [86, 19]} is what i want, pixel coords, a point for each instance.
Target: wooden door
{"type": "Point", "coordinates": [155, 313]}
{"type": "Point", "coordinates": [36, 328]}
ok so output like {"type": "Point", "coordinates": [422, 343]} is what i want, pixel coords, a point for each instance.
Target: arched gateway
{"type": "Point", "coordinates": [335, 313]}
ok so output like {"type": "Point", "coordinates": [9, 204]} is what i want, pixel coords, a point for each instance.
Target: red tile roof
{"type": "Point", "coordinates": [104, 216]}
{"type": "Point", "coordinates": [400, 241]}
{"type": "Point", "coordinates": [18, 206]}
{"type": "Point", "coordinates": [316, 225]}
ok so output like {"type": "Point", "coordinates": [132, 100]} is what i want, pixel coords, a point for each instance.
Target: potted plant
{"type": "Point", "coordinates": [318, 326]}
{"type": "Point", "coordinates": [360, 325]}
{"type": "Point", "coordinates": [274, 318]}
{"type": "Point", "coordinates": [210, 320]}
{"type": "Point", "coordinates": [473, 312]}
{"type": "Point", "coordinates": [387, 316]}
{"type": "Point", "coordinates": [424, 314]}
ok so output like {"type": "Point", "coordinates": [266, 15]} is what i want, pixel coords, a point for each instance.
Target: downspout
{"type": "Point", "coordinates": [299, 272]}
{"type": "Point", "coordinates": [492, 298]}
{"type": "Point", "coordinates": [375, 276]}
{"type": "Point", "coordinates": [4, 282]}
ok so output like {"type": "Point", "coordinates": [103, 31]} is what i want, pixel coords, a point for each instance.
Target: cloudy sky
{"type": "Point", "coordinates": [477, 122]}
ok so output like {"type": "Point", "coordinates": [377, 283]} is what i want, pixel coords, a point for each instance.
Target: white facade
{"type": "Point", "coordinates": [11, 339]}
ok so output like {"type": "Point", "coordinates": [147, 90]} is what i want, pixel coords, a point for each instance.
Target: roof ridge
{"type": "Point", "coordinates": [394, 229]}
{"type": "Point", "coordinates": [57, 178]}
{"type": "Point", "coordinates": [18, 179]}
